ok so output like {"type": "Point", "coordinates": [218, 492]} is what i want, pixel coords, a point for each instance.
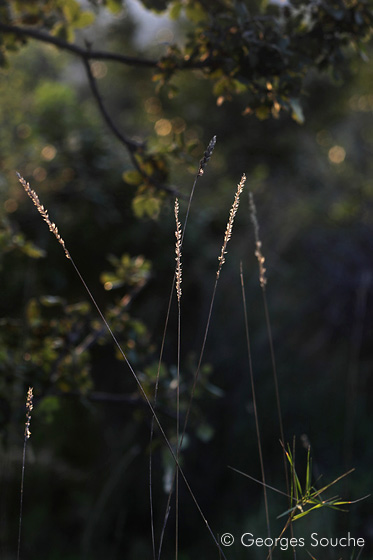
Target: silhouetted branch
{"type": "Point", "coordinates": [86, 54]}
{"type": "Point", "coordinates": [131, 145]}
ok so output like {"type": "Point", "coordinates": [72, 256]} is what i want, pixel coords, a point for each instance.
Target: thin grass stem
{"type": "Point", "coordinates": [178, 276]}
{"type": "Point", "coordinates": [221, 259]}
{"type": "Point", "coordinates": [29, 407]}
{"type": "Point", "coordinates": [54, 230]}
{"type": "Point", "coordinates": [202, 164]}
{"type": "Point", "coordinates": [255, 405]}
{"type": "Point", "coordinates": [263, 283]}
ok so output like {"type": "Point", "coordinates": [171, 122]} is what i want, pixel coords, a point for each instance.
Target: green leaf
{"type": "Point", "coordinates": [132, 177]}
{"type": "Point", "coordinates": [196, 12]}
{"type": "Point", "coordinates": [262, 112]}
{"type": "Point", "coordinates": [47, 408]}
{"type": "Point", "coordinates": [71, 10]}
{"type": "Point", "coordinates": [214, 390]}
{"type": "Point", "coordinates": [115, 6]}
{"type": "Point", "coordinates": [296, 111]}
{"type": "Point", "coordinates": [144, 205]}
{"type": "Point", "coordinates": [50, 301]}
{"type": "Point", "coordinates": [175, 10]}
{"type": "Point", "coordinates": [112, 279]}
{"type": "Point", "coordinates": [205, 432]}
{"type": "Point", "coordinates": [85, 19]}
{"type": "Point", "coordinates": [33, 251]}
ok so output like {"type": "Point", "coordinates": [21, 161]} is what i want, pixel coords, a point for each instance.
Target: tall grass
{"type": "Point", "coordinates": [53, 228]}
{"type": "Point", "coordinates": [300, 498]}
{"type": "Point", "coordinates": [27, 435]}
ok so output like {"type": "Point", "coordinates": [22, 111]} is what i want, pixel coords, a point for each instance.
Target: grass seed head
{"type": "Point", "coordinates": [232, 215]}
{"type": "Point", "coordinates": [43, 211]}
{"type": "Point", "coordinates": [29, 407]}
{"type": "Point", "coordinates": [206, 156]}
{"type": "Point", "coordinates": [178, 235]}
{"type": "Point", "coordinates": [258, 243]}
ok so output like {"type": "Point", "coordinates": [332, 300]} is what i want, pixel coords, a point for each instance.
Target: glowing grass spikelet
{"type": "Point", "coordinates": [29, 407]}
{"type": "Point", "coordinates": [53, 228]}
{"type": "Point", "coordinates": [232, 215]}
{"type": "Point", "coordinates": [44, 213]}
{"type": "Point", "coordinates": [178, 235]}
{"type": "Point", "coordinates": [258, 243]}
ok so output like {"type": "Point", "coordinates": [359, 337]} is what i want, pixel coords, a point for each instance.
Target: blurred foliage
{"type": "Point", "coordinates": [86, 490]}
{"type": "Point", "coordinates": [261, 51]}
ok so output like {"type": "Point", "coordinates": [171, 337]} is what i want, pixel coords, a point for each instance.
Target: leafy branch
{"type": "Point", "coordinates": [265, 57]}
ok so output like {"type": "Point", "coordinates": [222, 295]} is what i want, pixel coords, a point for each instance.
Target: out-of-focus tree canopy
{"type": "Point", "coordinates": [259, 50]}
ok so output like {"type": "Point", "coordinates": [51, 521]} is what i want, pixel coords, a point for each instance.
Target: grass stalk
{"type": "Point", "coordinates": [221, 260]}
{"type": "Point", "coordinates": [257, 429]}
{"type": "Point", "coordinates": [53, 228]}
{"type": "Point", "coordinates": [263, 283]}
{"type": "Point", "coordinates": [178, 277]}
{"type": "Point", "coordinates": [353, 369]}
{"type": "Point", "coordinates": [29, 407]}
{"type": "Point", "coordinates": [202, 164]}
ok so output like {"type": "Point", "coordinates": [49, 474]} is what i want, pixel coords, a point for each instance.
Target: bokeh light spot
{"type": "Point", "coordinates": [99, 69]}
{"type": "Point", "coordinates": [163, 127]}
{"type": "Point", "coordinates": [48, 152]}
{"type": "Point", "coordinates": [39, 174]}
{"type": "Point", "coordinates": [337, 154]}
{"type": "Point", "coordinates": [164, 35]}
{"type": "Point", "coordinates": [10, 205]}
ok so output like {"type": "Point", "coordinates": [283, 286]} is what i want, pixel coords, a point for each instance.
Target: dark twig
{"type": "Point", "coordinates": [132, 146]}
{"type": "Point", "coordinates": [86, 54]}
{"type": "Point", "coordinates": [89, 54]}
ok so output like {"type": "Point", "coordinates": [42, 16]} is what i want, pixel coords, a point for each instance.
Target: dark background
{"type": "Point", "coordinates": [86, 489]}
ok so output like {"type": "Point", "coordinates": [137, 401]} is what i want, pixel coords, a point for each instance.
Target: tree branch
{"type": "Point", "coordinates": [86, 54]}
{"type": "Point", "coordinates": [131, 145]}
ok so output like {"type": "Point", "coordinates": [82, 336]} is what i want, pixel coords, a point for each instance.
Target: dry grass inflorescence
{"type": "Point", "coordinates": [310, 496]}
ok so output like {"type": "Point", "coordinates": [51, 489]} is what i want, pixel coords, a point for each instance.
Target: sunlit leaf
{"type": "Point", "coordinates": [146, 206]}
{"type": "Point", "coordinates": [175, 10]}
{"type": "Point", "coordinates": [84, 20]}
{"type": "Point", "coordinates": [132, 177]}
{"type": "Point", "coordinates": [296, 111]}
{"type": "Point", "coordinates": [115, 6]}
